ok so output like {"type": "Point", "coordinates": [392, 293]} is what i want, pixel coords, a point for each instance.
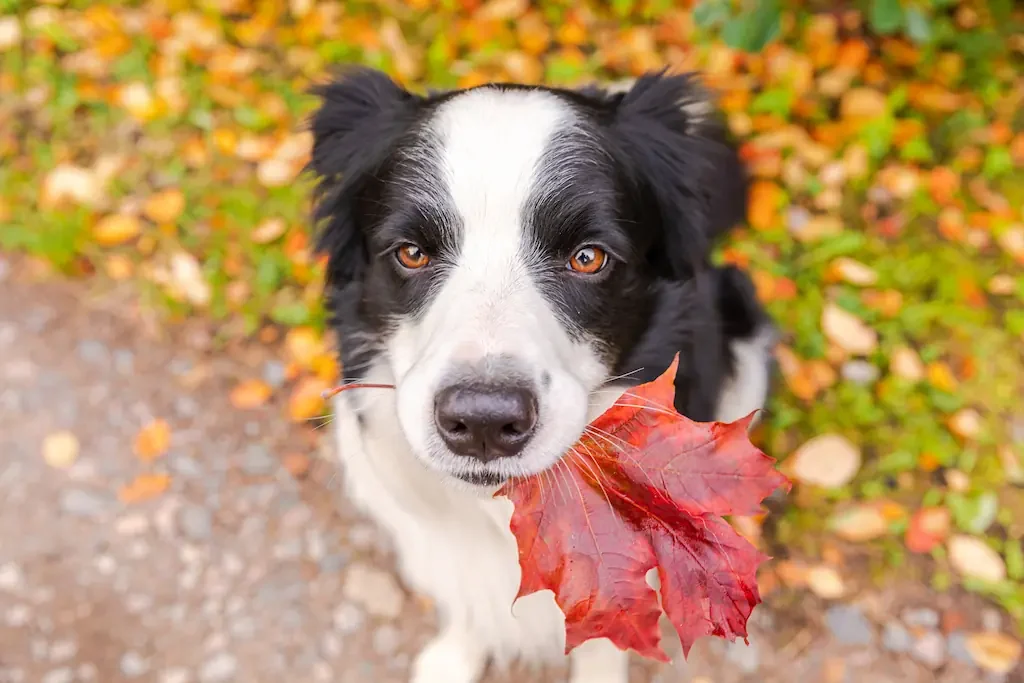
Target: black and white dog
{"type": "Point", "coordinates": [511, 258]}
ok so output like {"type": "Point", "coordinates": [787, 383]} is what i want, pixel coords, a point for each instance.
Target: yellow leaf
{"type": "Point", "coordinates": [307, 399]}
{"type": "Point", "coordinates": [862, 103]}
{"type": "Point", "coordinates": [60, 449]}
{"type": "Point", "coordinates": [165, 206]}
{"type": "Point", "coordinates": [252, 393]}
{"type": "Point", "coordinates": [153, 440]}
{"type": "Point", "coordinates": [303, 345]}
{"type": "Point", "coordinates": [993, 651]}
{"type": "Point", "coordinates": [144, 487]}
{"type": "Point", "coordinates": [116, 229]}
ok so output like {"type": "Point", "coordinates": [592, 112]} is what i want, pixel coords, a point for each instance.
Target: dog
{"type": "Point", "coordinates": [512, 258]}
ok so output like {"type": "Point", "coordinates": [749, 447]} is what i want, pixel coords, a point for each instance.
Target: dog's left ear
{"type": "Point", "coordinates": [685, 173]}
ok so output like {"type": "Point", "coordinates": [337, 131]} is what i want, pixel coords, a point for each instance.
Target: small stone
{"type": "Point", "coordinates": [930, 649]}
{"type": "Point", "coordinates": [93, 352]}
{"type": "Point", "coordinates": [258, 461]}
{"type": "Point", "coordinates": [132, 525]}
{"type": "Point", "coordinates": [195, 522]}
{"type": "Point", "coordinates": [184, 466]}
{"type": "Point", "coordinates": [333, 563]}
{"type": "Point", "coordinates": [133, 665]}
{"type": "Point", "coordinates": [860, 372]}
{"type": "Point", "coordinates": [83, 503]}
{"type": "Point", "coordinates": [375, 590]}
{"type": "Point", "coordinates": [347, 618]}
{"type": "Point", "coordinates": [991, 620]}
{"type": "Point", "coordinates": [386, 639]}
{"type": "Point", "coordinates": [288, 549]}
{"type": "Point", "coordinates": [956, 646]}
{"type": "Point", "coordinates": [124, 361]}
{"type": "Point", "coordinates": [747, 658]}
{"type": "Point", "coordinates": [848, 625]}
{"type": "Point", "coordinates": [220, 667]}
{"type": "Point", "coordinates": [11, 578]}
{"type": "Point", "coordinates": [275, 374]}
{"type": "Point", "coordinates": [63, 675]}
{"type": "Point", "coordinates": [175, 675]}
{"type": "Point", "coordinates": [826, 460]}
{"type": "Point", "coordinates": [63, 650]}
{"type": "Point", "coordinates": [896, 638]}
{"type": "Point", "coordinates": [825, 582]}
{"type": "Point", "coordinates": [920, 617]}
{"type": "Point", "coordinates": [17, 616]}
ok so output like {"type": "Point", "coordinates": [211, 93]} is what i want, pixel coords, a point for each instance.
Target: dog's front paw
{"type": "Point", "coordinates": [448, 658]}
{"type": "Point", "coordinates": [598, 661]}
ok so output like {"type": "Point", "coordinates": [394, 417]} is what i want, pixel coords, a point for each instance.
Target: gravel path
{"type": "Point", "coordinates": [241, 571]}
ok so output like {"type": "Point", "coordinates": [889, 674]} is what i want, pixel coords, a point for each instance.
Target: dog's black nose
{"type": "Point", "coordinates": [485, 422]}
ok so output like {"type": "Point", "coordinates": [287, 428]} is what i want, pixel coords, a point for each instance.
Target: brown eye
{"type": "Point", "coordinates": [588, 260]}
{"type": "Point", "coordinates": [411, 256]}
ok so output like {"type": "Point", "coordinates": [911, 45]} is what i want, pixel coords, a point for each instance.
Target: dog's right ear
{"type": "Point", "coordinates": [361, 118]}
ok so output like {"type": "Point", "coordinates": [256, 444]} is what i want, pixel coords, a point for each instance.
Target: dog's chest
{"type": "Point", "coordinates": [451, 545]}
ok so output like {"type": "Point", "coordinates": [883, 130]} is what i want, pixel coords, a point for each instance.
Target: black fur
{"type": "Point", "coordinates": [658, 188]}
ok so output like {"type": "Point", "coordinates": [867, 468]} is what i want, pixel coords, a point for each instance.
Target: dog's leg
{"type": "Point", "coordinates": [452, 657]}
{"type": "Point", "coordinates": [598, 661]}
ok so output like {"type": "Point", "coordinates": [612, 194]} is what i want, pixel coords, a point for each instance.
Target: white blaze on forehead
{"type": "Point", "coordinates": [492, 143]}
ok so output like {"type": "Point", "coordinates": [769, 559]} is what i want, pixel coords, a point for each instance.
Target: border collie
{"type": "Point", "coordinates": [512, 258]}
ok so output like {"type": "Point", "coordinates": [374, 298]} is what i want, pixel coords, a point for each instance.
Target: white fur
{"type": "Point", "coordinates": [453, 541]}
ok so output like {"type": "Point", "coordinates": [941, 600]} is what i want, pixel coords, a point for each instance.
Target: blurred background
{"type": "Point", "coordinates": [168, 509]}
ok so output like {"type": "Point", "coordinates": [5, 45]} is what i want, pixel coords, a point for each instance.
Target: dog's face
{"type": "Point", "coordinates": [503, 253]}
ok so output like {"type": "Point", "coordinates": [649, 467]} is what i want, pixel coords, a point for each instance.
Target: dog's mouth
{"type": "Point", "coordinates": [487, 479]}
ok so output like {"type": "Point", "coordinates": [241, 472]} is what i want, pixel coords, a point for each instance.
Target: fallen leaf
{"type": "Point", "coordinates": [116, 229]}
{"type": "Point", "coordinates": [859, 524]}
{"type": "Point", "coordinates": [10, 33]}
{"type": "Point", "coordinates": [268, 231]}
{"type": "Point", "coordinates": [276, 172]}
{"type": "Point", "coordinates": [307, 399]}
{"type": "Point", "coordinates": [941, 377]}
{"type": "Point", "coordinates": [619, 519]}
{"type": "Point", "coordinates": [69, 183]}
{"type": "Point", "coordinates": [153, 440]}
{"type": "Point", "coordinates": [825, 582]}
{"type": "Point", "coordinates": [303, 345]}
{"type": "Point", "coordinates": [60, 449]}
{"type": "Point", "coordinates": [1002, 285]}
{"type": "Point", "coordinates": [862, 103]}
{"type": "Point", "coordinates": [1013, 464]}
{"type": "Point", "coordinates": [164, 206]}
{"type": "Point", "coordinates": [847, 331]}
{"type": "Point", "coordinates": [966, 423]}
{"type": "Point", "coordinates": [853, 272]}
{"type": "Point", "coordinates": [144, 487]}
{"type": "Point", "coordinates": [186, 279]}
{"type": "Point", "coordinates": [994, 652]}
{"type": "Point", "coordinates": [817, 228]}
{"type": "Point", "coordinates": [927, 529]}
{"type": "Point", "coordinates": [763, 205]}
{"type": "Point", "coordinates": [973, 558]}
{"type": "Point", "coordinates": [297, 464]}
{"type": "Point", "coordinates": [905, 363]}
{"type": "Point", "coordinates": [826, 460]}
{"type": "Point", "coordinates": [250, 393]}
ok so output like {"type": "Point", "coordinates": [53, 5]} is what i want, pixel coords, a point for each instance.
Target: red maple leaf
{"type": "Point", "coordinates": [645, 488]}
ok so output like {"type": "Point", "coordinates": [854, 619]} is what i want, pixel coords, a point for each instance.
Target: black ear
{"type": "Point", "coordinates": [362, 116]}
{"type": "Point", "coordinates": [686, 175]}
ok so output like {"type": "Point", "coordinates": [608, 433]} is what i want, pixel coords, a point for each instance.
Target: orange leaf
{"type": "Point", "coordinates": [153, 440]}
{"type": "Point", "coordinates": [763, 206]}
{"type": "Point", "coordinates": [165, 206]}
{"type": "Point", "coordinates": [249, 394]}
{"type": "Point", "coordinates": [144, 487]}
{"type": "Point", "coordinates": [307, 399]}
{"type": "Point", "coordinates": [303, 345]}
{"type": "Point", "coordinates": [116, 229]}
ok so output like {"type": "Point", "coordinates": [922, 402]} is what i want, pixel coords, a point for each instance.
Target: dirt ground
{"type": "Point", "coordinates": [242, 571]}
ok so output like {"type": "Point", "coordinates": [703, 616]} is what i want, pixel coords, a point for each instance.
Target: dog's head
{"type": "Point", "coordinates": [505, 252]}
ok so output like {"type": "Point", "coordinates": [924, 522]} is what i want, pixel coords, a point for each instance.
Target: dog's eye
{"type": "Point", "coordinates": [411, 256]}
{"type": "Point", "coordinates": [588, 260]}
